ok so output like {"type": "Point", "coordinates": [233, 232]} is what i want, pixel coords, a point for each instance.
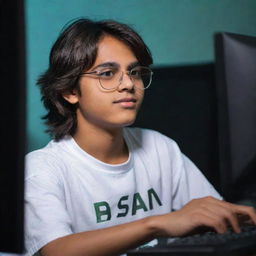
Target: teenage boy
{"type": "Point", "coordinates": [99, 188]}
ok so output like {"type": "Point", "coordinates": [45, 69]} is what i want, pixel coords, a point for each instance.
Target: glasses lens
{"type": "Point", "coordinates": [110, 79]}
{"type": "Point", "coordinates": [141, 76]}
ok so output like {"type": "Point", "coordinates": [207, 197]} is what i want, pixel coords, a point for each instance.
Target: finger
{"type": "Point", "coordinates": [216, 223]}
{"type": "Point", "coordinates": [245, 219]}
{"type": "Point", "coordinates": [232, 219]}
{"type": "Point", "coordinates": [227, 215]}
{"type": "Point", "coordinates": [246, 210]}
{"type": "Point", "coordinates": [208, 219]}
{"type": "Point", "coordinates": [239, 209]}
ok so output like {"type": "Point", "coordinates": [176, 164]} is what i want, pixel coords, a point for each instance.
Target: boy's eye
{"type": "Point", "coordinates": [106, 73]}
{"type": "Point", "coordinates": [135, 73]}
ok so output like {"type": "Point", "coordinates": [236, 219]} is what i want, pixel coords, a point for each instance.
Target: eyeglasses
{"type": "Point", "coordinates": [111, 78]}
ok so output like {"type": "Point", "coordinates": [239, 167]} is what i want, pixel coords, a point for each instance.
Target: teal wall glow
{"type": "Point", "coordinates": [177, 32]}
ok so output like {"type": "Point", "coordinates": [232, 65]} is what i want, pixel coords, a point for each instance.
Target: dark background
{"type": "Point", "coordinates": [12, 145]}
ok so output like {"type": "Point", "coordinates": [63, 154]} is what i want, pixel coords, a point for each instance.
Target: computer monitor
{"type": "Point", "coordinates": [181, 103]}
{"type": "Point", "coordinates": [12, 143]}
{"type": "Point", "coordinates": [236, 93]}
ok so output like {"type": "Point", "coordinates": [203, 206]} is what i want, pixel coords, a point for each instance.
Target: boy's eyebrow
{"type": "Point", "coordinates": [116, 65]}
{"type": "Point", "coordinates": [107, 65]}
{"type": "Point", "coordinates": [133, 65]}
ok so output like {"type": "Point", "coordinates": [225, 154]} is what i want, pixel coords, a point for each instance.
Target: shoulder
{"type": "Point", "coordinates": [45, 160]}
{"type": "Point", "coordinates": [44, 154]}
{"type": "Point", "coordinates": [147, 134]}
{"type": "Point", "coordinates": [150, 138]}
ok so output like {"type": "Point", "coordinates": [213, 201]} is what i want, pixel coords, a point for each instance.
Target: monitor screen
{"type": "Point", "coordinates": [236, 92]}
{"type": "Point", "coordinates": [12, 79]}
{"type": "Point", "coordinates": [181, 103]}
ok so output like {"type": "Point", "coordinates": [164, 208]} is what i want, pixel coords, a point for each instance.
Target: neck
{"type": "Point", "coordinates": [105, 144]}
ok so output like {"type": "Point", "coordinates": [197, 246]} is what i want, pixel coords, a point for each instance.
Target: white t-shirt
{"type": "Point", "coordinates": [69, 191]}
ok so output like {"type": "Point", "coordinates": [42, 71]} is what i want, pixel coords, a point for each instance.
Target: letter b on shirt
{"type": "Point", "coordinates": [103, 212]}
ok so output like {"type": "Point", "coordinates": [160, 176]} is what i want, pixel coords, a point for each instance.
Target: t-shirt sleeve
{"type": "Point", "coordinates": [46, 217]}
{"type": "Point", "coordinates": [190, 183]}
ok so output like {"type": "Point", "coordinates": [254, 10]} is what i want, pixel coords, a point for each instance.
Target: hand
{"type": "Point", "coordinates": [205, 212]}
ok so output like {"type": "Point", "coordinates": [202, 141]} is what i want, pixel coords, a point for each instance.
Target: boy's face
{"type": "Point", "coordinates": [108, 109]}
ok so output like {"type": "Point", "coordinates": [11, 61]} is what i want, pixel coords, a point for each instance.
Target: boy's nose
{"type": "Point", "coordinates": [125, 81]}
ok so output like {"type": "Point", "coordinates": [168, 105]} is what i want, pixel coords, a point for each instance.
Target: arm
{"type": "Point", "coordinates": [109, 241]}
{"type": "Point", "coordinates": [204, 212]}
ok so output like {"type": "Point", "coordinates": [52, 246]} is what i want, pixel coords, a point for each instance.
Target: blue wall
{"type": "Point", "coordinates": [177, 32]}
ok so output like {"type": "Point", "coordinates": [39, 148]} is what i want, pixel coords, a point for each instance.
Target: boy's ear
{"type": "Point", "coordinates": [71, 97]}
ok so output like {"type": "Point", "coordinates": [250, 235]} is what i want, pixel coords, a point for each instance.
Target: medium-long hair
{"type": "Point", "coordinates": [73, 53]}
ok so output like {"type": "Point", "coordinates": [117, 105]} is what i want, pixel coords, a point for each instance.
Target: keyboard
{"type": "Point", "coordinates": [209, 243]}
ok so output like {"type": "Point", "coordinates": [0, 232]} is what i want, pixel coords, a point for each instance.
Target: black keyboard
{"type": "Point", "coordinates": [209, 243]}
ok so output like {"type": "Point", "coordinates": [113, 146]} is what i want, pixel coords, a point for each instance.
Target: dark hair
{"type": "Point", "coordinates": [73, 53]}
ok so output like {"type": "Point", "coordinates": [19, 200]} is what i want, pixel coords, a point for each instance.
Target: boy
{"type": "Point", "coordinates": [99, 188]}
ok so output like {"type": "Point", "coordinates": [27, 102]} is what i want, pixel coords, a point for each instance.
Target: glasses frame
{"type": "Point", "coordinates": [97, 72]}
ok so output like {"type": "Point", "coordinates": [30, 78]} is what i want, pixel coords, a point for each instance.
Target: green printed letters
{"type": "Point", "coordinates": [152, 193]}
{"type": "Point", "coordinates": [121, 205]}
{"type": "Point", "coordinates": [103, 210]}
{"type": "Point", "coordinates": [138, 203]}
